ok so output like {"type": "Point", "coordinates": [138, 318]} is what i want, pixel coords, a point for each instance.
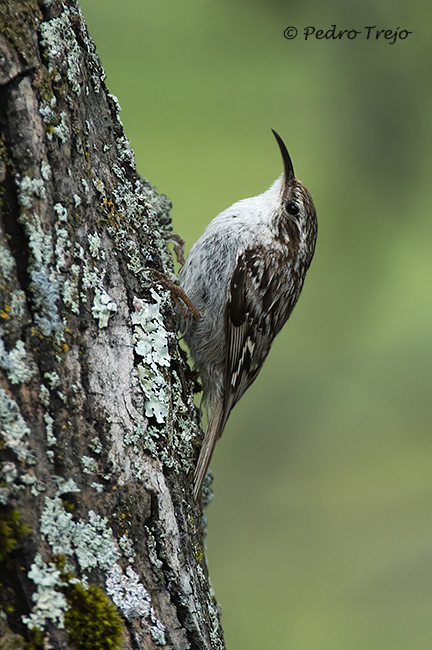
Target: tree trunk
{"type": "Point", "coordinates": [101, 544]}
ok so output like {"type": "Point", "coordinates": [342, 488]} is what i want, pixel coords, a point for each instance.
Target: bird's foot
{"type": "Point", "coordinates": [179, 247]}
{"type": "Point", "coordinates": [179, 296]}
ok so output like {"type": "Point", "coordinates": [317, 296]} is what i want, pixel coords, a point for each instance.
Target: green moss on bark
{"type": "Point", "coordinates": [92, 620]}
{"type": "Point", "coordinates": [17, 25]}
{"type": "Point", "coordinates": [11, 531]}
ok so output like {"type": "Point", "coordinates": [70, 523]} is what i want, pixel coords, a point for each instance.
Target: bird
{"type": "Point", "coordinates": [244, 276]}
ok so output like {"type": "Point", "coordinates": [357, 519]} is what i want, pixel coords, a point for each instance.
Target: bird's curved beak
{"type": "Point", "coordinates": [288, 166]}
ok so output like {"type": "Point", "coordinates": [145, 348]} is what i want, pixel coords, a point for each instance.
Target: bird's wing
{"type": "Point", "coordinates": [249, 322]}
{"type": "Point", "coordinates": [248, 340]}
{"type": "Point", "coordinates": [260, 301]}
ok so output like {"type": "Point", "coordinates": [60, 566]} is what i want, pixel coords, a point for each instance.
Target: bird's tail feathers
{"type": "Point", "coordinates": [213, 433]}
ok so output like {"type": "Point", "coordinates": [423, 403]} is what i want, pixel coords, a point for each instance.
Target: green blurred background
{"type": "Point", "coordinates": [320, 533]}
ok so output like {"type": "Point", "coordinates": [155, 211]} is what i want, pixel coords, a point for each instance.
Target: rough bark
{"type": "Point", "coordinates": [97, 418]}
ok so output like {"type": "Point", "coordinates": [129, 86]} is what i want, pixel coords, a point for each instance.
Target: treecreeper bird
{"type": "Point", "coordinates": [244, 276]}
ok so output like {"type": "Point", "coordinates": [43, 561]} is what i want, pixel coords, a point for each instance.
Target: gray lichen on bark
{"type": "Point", "coordinates": [97, 417]}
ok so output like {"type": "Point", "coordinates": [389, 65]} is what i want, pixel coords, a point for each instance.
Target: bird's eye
{"type": "Point", "coordinates": [293, 209]}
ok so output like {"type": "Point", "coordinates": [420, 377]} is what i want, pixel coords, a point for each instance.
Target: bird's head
{"type": "Point", "coordinates": [295, 215]}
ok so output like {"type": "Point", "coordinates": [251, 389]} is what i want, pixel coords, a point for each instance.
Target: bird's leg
{"type": "Point", "coordinates": [177, 294]}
